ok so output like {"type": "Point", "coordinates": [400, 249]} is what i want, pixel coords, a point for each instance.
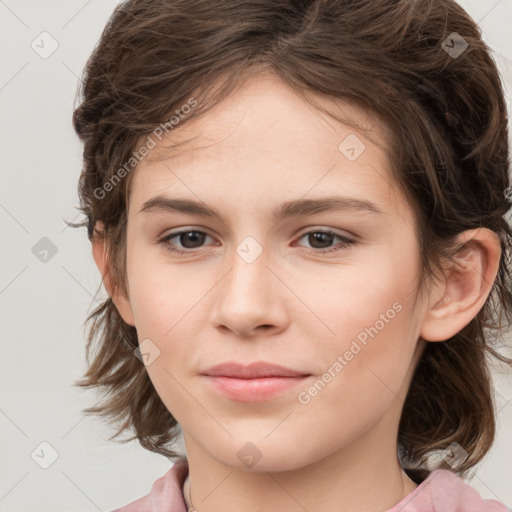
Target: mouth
{"type": "Point", "coordinates": [256, 382]}
{"type": "Point", "coordinates": [254, 390]}
{"type": "Point", "coordinates": [254, 370]}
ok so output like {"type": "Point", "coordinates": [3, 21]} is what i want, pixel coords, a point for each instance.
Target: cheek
{"type": "Point", "coordinates": [373, 347]}
{"type": "Point", "coordinates": [357, 300]}
{"type": "Point", "coordinates": [362, 380]}
{"type": "Point", "coordinates": [161, 305]}
{"type": "Point", "coordinates": [162, 297]}
{"type": "Point", "coordinates": [371, 314]}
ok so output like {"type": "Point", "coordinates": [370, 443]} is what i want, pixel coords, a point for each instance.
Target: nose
{"type": "Point", "coordinates": [251, 298]}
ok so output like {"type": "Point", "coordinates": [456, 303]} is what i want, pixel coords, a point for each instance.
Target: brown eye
{"type": "Point", "coordinates": [321, 241]}
{"type": "Point", "coordinates": [188, 241]}
{"type": "Point", "coordinates": [191, 239]}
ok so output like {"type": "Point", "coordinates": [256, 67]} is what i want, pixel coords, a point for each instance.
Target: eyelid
{"type": "Point", "coordinates": [301, 232]}
{"type": "Point", "coordinates": [184, 229]}
{"type": "Point", "coordinates": [340, 232]}
{"type": "Point", "coordinates": [345, 241]}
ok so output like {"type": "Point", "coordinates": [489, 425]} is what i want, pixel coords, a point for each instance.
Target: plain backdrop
{"type": "Point", "coordinates": [48, 278]}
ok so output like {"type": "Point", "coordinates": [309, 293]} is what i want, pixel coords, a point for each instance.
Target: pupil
{"type": "Point", "coordinates": [326, 237]}
{"type": "Point", "coordinates": [193, 235]}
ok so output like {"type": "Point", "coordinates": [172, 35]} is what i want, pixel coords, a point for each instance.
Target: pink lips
{"type": "Point", "coordinates": [255, 382]}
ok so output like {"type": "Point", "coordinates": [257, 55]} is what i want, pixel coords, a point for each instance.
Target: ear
{"type": "Point", "coordinates": [120, 299]}
{"type": "Point", "coordinates": [460, 294]}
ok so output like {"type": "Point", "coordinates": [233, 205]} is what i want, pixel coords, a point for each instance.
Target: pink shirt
{"type": "Point", "coordinates": [441, 491]}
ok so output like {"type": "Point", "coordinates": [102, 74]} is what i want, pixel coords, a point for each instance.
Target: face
{"type": "Point", "coordinates": [327, 292]}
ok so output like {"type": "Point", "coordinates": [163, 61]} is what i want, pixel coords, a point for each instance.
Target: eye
{"type": "Point", "coordinates": [193, 239]}
{"type": "Point", "coordinates": [190, 239]}
{"type": "Point", "coordinates": [325, 237]}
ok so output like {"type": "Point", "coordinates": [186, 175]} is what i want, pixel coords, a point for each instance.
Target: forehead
{"type": "Point", "coordinates": [265, 102]}
{"type": "Point", "coordinates": [265, 133]}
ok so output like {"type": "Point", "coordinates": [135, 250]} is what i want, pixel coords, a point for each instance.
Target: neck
{"type": "Point", "coordinates": [339, 482]}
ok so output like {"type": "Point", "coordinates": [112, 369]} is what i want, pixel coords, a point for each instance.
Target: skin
{"type": "Point", "coordinates": [293, 305]}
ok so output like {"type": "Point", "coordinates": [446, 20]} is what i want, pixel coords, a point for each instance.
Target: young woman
{"type": "Point", "coordinates": [299, 212]}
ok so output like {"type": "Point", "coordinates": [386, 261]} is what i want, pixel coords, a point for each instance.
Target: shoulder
{"type": "Point", "coordinates": [451, 492]}
{"type": "Point", "coordinates": [166, 493]}
{"type": "Point", "coordinates": [444, 491]}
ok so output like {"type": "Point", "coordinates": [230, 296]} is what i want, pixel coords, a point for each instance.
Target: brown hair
{"type": "Point", "coordinates": [448, 150]}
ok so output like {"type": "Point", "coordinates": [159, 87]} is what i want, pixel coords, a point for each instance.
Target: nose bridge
{"type": "Point", "coordinates": [247, 296]}
{"type": "Point", "coordinates": [250, 273]}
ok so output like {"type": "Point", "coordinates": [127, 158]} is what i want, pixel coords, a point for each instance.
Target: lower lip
{"type": "Point", "coordinates": [254, 390]}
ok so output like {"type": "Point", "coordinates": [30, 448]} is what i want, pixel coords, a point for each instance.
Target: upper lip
{"type": "Point", "coordinates": [252, 371]}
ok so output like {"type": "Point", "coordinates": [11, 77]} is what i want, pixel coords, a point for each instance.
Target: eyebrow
{"type": "Point", "coordinates": [295, 208]}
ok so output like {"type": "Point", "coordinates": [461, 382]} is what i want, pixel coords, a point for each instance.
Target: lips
{"type": "Point", "coordinates": [256, 370]}
{"type": "Point", "coordinates": [256, 382]}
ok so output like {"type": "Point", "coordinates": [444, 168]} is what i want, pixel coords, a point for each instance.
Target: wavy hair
{"type": "Point", "coordinates": [405, 62]}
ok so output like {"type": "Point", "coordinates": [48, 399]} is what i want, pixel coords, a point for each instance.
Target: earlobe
{"type": "Point", "coordinates": [460, 295]}
{"type": "Point", "coordinates": [100, 254]}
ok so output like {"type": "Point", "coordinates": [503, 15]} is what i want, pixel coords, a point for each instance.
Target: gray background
{"type": "Point", "coordinates": [44, 304]}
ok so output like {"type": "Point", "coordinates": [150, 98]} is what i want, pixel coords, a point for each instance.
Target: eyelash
{"type": "Point", "coordinates": [344, 244]}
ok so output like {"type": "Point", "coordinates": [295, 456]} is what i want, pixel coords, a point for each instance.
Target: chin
{"type": "Point", "coordinates": [264, 456]}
